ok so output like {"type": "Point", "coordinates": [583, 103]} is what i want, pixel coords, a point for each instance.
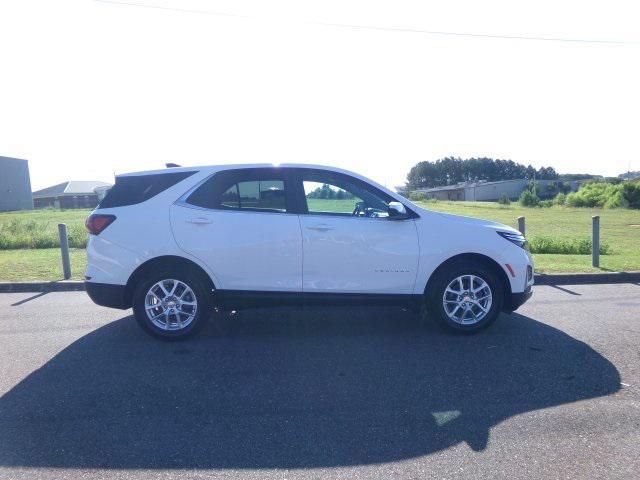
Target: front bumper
{"type": "Point", "coordinates": [515, 300]}
{"type": "Point", "coordinates": [107, 295]}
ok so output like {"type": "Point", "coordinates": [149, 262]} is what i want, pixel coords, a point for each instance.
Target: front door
{"type": "Point", "coordinates": [239, 224]}
{"type": "Point", "coordinates": [349, 243]}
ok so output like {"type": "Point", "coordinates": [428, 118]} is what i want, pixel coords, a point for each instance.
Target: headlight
{"type": "Point", "coordinates": [516, 238]}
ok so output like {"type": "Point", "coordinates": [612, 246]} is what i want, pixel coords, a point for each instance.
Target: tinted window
{"type": "Point", "coordinates": [138, 188]}
{"type": "Point", "coordinates": [253, 189]}
{"type": "Point", "coordinates": [257, 194]}
{"type": "Point", "coordinates": [231, 197]}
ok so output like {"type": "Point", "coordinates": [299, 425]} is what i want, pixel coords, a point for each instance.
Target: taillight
{"type": "Point", "coordinates": [97, 222]}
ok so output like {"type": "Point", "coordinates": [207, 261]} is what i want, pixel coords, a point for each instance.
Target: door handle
{"type": "Point", "coordinates": [320, 228]}
{"type": "Point", "coordinates": [199, 220]}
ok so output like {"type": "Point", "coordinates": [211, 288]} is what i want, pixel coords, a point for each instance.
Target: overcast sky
{"type": "Point", "coordinates": [89, 88]}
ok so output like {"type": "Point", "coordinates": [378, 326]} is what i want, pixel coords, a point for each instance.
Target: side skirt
{"type": "Point", "coordinates": [243, 299]}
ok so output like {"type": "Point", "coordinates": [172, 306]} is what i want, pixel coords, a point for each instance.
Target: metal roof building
{"type": "Point", "coordinates": [492, 191]}
{"type": "Point", "coordinates": [72, 194]}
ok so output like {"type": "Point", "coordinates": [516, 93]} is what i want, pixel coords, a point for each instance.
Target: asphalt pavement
{"type": "Point", "coordinates": [552, 391]}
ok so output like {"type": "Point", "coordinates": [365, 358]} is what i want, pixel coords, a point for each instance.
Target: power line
{"type": "Point", "coordinates": [478, 35]}
{"type": "Point", "coordinates": [390, 29]}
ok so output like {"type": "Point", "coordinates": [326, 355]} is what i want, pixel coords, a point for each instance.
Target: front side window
{"type": "Point", "coordinates": [331, 194]}
{"type": "Point", "coordinates": [253, 190]}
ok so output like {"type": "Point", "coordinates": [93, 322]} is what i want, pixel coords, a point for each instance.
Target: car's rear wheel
{"type": "Point", "coordinates": [172, 305]}
{"type": "Point", "coordinates": [465, 297]}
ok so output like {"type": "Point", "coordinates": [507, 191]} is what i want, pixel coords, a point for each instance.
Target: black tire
{"type": "Point", "coordinates": [444, 276]}
{"type": "Point", "coordinates": [201, 290]}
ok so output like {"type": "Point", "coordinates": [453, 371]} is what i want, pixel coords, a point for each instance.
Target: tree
{"type": "Point", "coordinates": [530, 173]}
{"type": "Point", "coordinates": [546, 173]}
{"type": "Point", "coordinates": [576, 176]}
{"type": "Point", "coordinates": [504, 199]}
{"type": "Point", "coordinates": [629, 175]}
{"type": "Point", "coordinates": [325, 192]}
{"type": "Point", "coordinates": [529, 198]}
{"type": "Point", "coordinates": [452, 170]}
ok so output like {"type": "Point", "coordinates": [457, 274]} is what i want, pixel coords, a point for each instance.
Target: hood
{"type": "Point", "coordinates": [471, 221]}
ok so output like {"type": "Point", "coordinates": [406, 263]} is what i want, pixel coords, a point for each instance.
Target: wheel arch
{"type": "Point", "coordinates": [179, 264]}
{"type": "Point", "coordinates": [478, 257]}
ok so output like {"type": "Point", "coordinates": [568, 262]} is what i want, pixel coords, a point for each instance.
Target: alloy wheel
{"type": "Point", "coordinates": [467, 299]}
{"type": "Point", "coordinates": [171, 305]}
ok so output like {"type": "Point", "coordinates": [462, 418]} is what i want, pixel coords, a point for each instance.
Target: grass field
{"type": "Point", "coordinates": [39, 264]}
{"type": "Point", "coordinates": [39, 228]}
{"type": "Point", "coordinates": [620, 229]}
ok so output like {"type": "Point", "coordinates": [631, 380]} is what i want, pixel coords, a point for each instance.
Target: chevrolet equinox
{"type": "Point", "coordinates": [175, 244]}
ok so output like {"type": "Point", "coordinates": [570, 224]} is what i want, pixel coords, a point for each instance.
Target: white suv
{"type": "Point", "coordinates": [176, 243]}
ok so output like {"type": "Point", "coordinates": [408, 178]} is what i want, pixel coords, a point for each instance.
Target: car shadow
{"type": "Point", "coordinates": [341, 387]}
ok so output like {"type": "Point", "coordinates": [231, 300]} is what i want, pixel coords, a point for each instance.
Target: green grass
{"type": "Point", "coordinates": [619, 229]}
{"type": "Point", "coordinates": [39, 264]}
{"type": "Point", "coordinates": [327, 205]}
{"type": "Point", "coordinates": [20, 232]}
{"type": "Point", "coordinates": [565, 246]}
{"type": "Point", "coordinates": [39, 228]}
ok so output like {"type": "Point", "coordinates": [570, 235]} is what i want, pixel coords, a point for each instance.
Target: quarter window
{"type": "Point", "coordinates": [254, 190]}
{"type": "Point", "coordinates": [255, 195]}
{"type": "Point", "coordinates": [134, 189]}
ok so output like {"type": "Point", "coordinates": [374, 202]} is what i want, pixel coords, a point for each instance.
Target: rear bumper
{"type": "Point", "coordinates": [107, 295]}
{"type": "Point", "coordinates": [515, 300]}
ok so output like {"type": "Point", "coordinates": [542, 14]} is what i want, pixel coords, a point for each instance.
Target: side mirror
{"type": "Point", "coordinates": [397, 211]}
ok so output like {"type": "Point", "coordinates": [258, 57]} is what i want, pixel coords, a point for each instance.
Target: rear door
{"type": "Point", "coordinates": [350, 245]}
{"type": "Point", "coordinates": [240, 223]}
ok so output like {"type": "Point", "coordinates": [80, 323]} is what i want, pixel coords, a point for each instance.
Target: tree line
{"type": "Point", "coordinates": [328, 193]}
{"type": "Point", "coordinates": [452, 170]}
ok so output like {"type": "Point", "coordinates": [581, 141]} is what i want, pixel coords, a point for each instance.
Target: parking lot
{"type": "Point", "coordinates": [552, 391]}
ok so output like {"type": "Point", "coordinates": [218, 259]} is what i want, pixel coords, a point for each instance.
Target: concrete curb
{"type": "Point", "coordinates": [540, 279]}
{"type": "Point", "coordinates": [61, 286]}
{"type": "Point", "coordinates": [586, 278]}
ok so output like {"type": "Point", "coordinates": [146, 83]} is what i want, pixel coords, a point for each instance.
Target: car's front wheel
{"type": "Point", "coordinates": [465, 297]}
{"type": "Point", "coordinates": [171, 305]}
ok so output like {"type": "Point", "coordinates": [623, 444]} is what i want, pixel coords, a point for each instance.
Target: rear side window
{"type": "Point", "coordinates": [251, 189]}
{"type": "Point", "coordinates": [138, 188]}
{"type": "Point", "coordinates": [257, 194]}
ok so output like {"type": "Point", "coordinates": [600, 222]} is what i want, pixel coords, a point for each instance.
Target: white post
{"type": "Point", "coordinates": [521, 225]}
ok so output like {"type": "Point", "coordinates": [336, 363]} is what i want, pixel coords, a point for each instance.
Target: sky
{"type": "Point", "coordinates": [91, 88]}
